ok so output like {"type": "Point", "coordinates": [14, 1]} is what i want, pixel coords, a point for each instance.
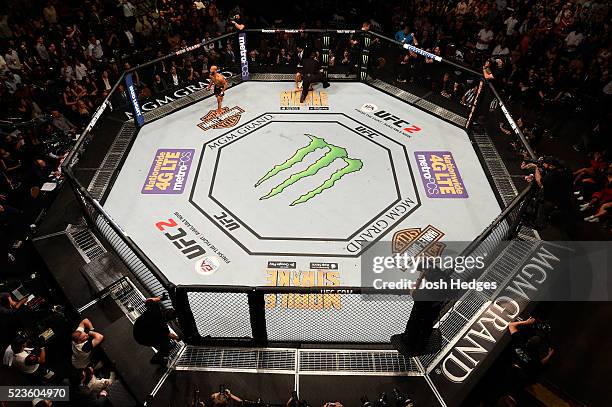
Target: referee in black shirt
{"type": "Point", "coordinates": [311, 73]}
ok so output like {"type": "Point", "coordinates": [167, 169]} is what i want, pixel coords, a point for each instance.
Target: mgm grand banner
{"type": "Point", "coordinates": [556, 271]}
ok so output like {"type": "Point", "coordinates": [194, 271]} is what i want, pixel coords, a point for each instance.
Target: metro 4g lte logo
{"type": "Point", "coordinates": [333, 153]}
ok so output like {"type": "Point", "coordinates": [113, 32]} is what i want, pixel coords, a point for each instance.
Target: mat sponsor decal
{"type": "Point", "coordinates": [281, 264]}
{"type": "Point", "coordinates": [207, 265]}
{"type": "Point", "coordinates": [390, 120]}
{"type": "Point", "coordinates": [380, 226]}
{"type": "Point", "coordinates": [229, 117]}
{"type": "Point", "coordinates": [440, 174]}
{"type": "Point", "coordinates": [328, 298]}
{"type": "Point", "coordinates": [202, 239]}
{"type": "Point", "coordinates": [315, 100]}
{"type": "Point", "coordinates": [369, 107]}
{"type": "Point", "coordinates": [169, 171]}
{"type": "Point", "coordinates": [333, 153]}
{"type": "Point", "coordinates": [179, 237]}
{"type": "Point", "coordinates": [418, 241]}
{"type": "Point", "coordinates": [324, 266]}
{"type": "Point", "coordinates": [242, 131]}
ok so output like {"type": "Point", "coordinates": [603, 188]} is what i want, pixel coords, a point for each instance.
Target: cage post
{"type": "Point", "coordinates": [257, 312]}
{"type": "Point", "coordinates": [365, 56]}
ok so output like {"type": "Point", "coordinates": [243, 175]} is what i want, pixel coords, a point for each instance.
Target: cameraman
{"type": "Point", "coordinates": [555, 186]}
{"type": "Point", "coordinates": [530, 345]}
{"type": "Point", "coordinates": [237, 22]}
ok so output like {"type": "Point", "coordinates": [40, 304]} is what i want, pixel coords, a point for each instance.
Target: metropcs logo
{"type": "Point", "coordinates": [228, 118]}
{"type": "Point", "coordinates": [333, 153]}
{"type": "Point", "coordinates": [388, 119]}
{"type": "Point", "coordinates": [169, 171]}
{"type": "Point", "coordinates": [244, 63]}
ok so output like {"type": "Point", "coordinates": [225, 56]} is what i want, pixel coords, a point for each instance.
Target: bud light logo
{"type": "Point", "coordinates": [134, 99]}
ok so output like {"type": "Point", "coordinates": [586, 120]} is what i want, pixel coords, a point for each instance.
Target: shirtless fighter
{"type": "Point", "coordinates": [220, 84]}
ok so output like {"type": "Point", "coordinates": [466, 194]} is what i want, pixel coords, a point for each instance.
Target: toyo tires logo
{"type": "Point", "coordinates": [333, 153]}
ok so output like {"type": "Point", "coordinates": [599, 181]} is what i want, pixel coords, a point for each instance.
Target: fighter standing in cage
{"type": "Point", "coordinates": [220, 85]}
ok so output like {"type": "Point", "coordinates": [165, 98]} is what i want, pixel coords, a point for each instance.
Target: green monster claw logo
{"type": "Point", "coordinates": [333, 153]}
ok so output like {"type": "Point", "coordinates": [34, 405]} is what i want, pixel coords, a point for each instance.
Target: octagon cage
{"type": "Point", "coordinates": [435, 81]}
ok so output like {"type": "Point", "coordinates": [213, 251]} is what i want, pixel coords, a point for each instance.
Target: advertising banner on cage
{"type": "Point", "coordinates": [134, 99]}
{"type": "Point", "coordinates": [244, 62]}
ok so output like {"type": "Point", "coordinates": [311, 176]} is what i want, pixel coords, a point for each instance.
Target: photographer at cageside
{"type": "Point", "coordinates": [552, 202]}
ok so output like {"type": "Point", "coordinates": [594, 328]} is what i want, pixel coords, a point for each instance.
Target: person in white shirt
{"type": "Point", "coordinates": [84, 340]}
{"type": "Point", "coordinates": [12, 82]}
{"type": "Point", "coordinates": [485, 36]}
{"type": "Point", "coordinates": [127, 8]}
{"type": "Point", "coordinates": [94, 49]}
{"type": "Point", "coordinates": [12, 58]}
{"type": "Point", "coordinates": [175, 78]}
{"type": "Point", "coordinates": [510, 24]}
{"type": "Point", "coordinates": [501, 50]}
{"type": "Point", "coordinates": [41, 49]}
{"type": "Point", "coordinates": [28, 360]}
{"type": "Point", "coordinates": [80, 70]}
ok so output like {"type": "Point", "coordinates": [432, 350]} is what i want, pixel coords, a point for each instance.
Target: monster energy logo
{"type": "Point", "coordinates": [333, 153]}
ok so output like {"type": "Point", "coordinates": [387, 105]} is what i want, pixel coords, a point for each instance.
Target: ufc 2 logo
{"type": "Point", "coordinates": [188, 247]}
{"type": "Point", "coordinates": [397, 122]}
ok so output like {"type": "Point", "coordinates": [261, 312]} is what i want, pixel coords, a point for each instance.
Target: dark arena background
{"type": "Point", "coordinates": [317, 203]}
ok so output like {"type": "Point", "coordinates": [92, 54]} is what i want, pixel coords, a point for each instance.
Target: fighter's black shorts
{"type": "Point", "coordinates": [218, 90]}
